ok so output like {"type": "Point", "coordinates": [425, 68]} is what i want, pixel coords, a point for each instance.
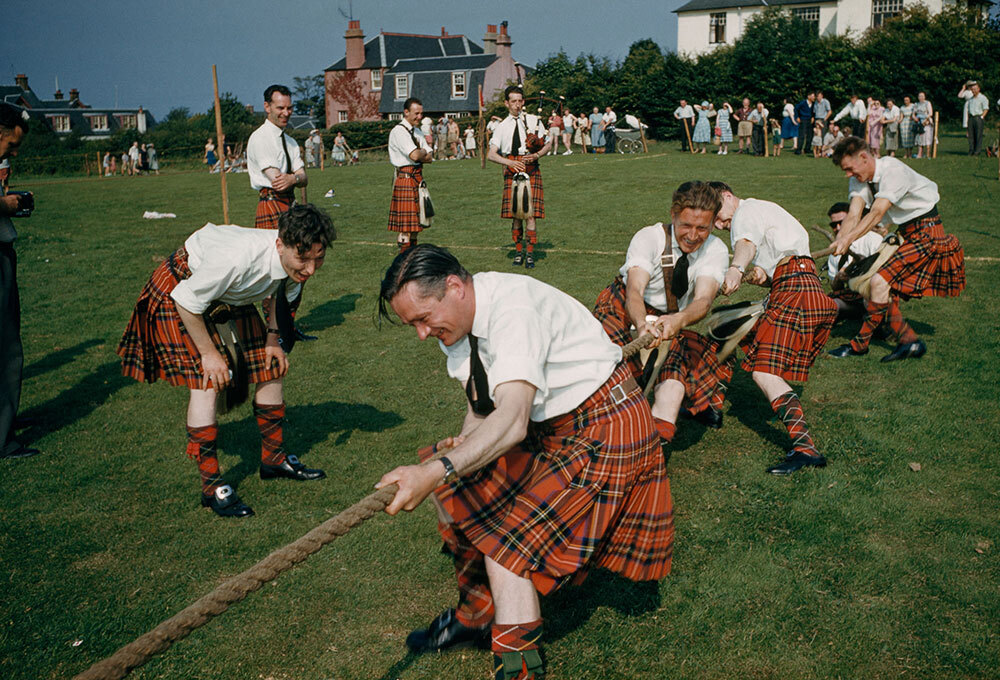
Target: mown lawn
{"type": "Point", "coordinates": [866, 569]}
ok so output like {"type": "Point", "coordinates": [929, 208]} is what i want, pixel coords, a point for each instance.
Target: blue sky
{"type": "Point", "coordinates": [159, 55]}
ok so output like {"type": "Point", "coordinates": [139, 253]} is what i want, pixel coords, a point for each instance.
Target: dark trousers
{"type": "Point", "coordinates": [11, 354]}
{"type": "Point", "coordinates": [805, 136]}
{"type": "Point", "coordinates": [757, 139]}
{"type": "Point", "coordinates": [609, 140]}
{"type": "Point", "coordinates": [975, 133]}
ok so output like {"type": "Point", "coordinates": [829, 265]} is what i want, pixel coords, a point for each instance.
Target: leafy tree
{"type": "Point", "coordinates": [178, 114]}
{"type": "Point", "coordinates": [308, 94]}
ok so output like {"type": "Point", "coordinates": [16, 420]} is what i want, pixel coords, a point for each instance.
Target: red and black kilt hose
{"type": "Point", "coordinates": [271, 205]}
{"type": "Point", "coordinates": [537, 193]}
{"type": "Point", "coordinates": [156, 345]}
{"type": "Point", "coordinates": [404, 210]}
{"type": "Point", "coordinates": [930, 262]}
{"type": "Point", "coordinates": [691, 358]}
{"type": "Point", "coordinates": [583, 490]}
{"type": "Point", "coordinates": [795, 325]}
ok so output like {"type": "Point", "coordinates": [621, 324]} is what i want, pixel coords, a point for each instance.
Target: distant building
{"type": "Point", "coordinates": [376, 76]}
{"type": "Point", "coordinates": [703, 25]}
{"type": "Point", "coordinates": [72, 115]}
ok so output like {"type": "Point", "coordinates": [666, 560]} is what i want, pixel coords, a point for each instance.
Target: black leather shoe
{"type": "Point", "coordinates": [21, 451]}
{"type": "Point", "coordinates": [518, 260]}
{"type": "Point", "coordinates": [906, 350]}
{"type": "Point", "coordinates": [291, 468]}
{"type": "Point", "coordinates": [225, 503]}
{"type": "Point", "coordinates": [301, 335]}
{"type": "Point", "coordinates": [529, 262]}
{"type": "Point", "coordinates": [796, 460]}
{"type": "Point", "coordinates": [846, 351]}
{"type": "Point", "coordinates": [447, 632]}
{"type": "Point", "coordinates": [709, 417]}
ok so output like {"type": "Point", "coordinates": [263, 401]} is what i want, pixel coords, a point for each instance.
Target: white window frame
{"type": "Point", "coordinates": [885, 9]}
{"type": "Point", "coordinates": [716, 20]}
{"type": "Point", "coordinates": [60, 123]}
{"type": "Point", "coordinates": [376, 80]}
{"type": "Point", "coordinates": [128, 121]}
{"type": "Point", "coordinates": [459, 79]}
{"type": "Point", "coordinates": [98, 122]}
{"type": "Point", "coordinates": [395, 116]}
{"type": "Point", "coordinates": [810, 15]}
{"type": "Point", "coordinates": [341, 116]}
{"type": "Point", "coordinates": [404, 81]}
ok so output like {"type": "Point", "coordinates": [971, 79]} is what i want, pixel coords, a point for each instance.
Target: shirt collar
{"type": "Point", "coordinates": [405, 123]}
{"type": "Point", "coordinates": [275, 130]}
{"type": "Point", "coordinates": [879, 169]}
{"type": "Point", "coordinates": [277, 271]}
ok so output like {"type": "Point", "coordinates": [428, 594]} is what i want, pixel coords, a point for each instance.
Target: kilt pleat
{"type": "Point", "coordinates": [587, 489]}
{"type": "Point", "coordinates": [930, 262]}
{"type": "Point", "coordinates": [270, 207]}
{"type": "Point", "coordinates": [795, 325]}
{"type": "Point", "coordinates": [404, 209]}
{"type": "Point", "coordinates": [537, 193]}
{"type": "Point", "coordinates": [156, 346]}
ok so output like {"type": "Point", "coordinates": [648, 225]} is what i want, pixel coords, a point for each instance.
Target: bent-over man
{"type": "Point", "coordinates": [836, 266]}
{"type": "Point", "coordinates": [557, 468]}
{"type": "Point", "coordinates": [408, 151]}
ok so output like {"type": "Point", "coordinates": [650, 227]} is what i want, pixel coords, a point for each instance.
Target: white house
{"type": "Point", "coordinates": [702, 25]}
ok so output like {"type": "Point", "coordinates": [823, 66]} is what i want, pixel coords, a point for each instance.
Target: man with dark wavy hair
{"type": "Point", "coordinates": [195, 301]}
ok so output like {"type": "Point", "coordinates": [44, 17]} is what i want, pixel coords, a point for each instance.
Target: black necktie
{"type": "Point", "coordinates": [515, 144]}
{"type": "Point", "coordinates": [481, 403]}
{"type": "Point", "coordinates": [288, 159]}
{"type": "Point", "coordinates": [679, 282]}
{"type": "Point", "coordinates": [283, 315]}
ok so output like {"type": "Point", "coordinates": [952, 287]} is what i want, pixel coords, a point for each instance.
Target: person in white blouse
{"type": "Point", "coordinates": [771, 249]}
{"type": "Point", "coordinates": [274, 161]}
{"type": "Point", "coordinates": [684, 250]}
{"type": "Point", "coordinates": [929, 262]}
{"type": "Point", "coordinates": [216, 278]}
{"type": "Point", "coordinates": [554, 419]}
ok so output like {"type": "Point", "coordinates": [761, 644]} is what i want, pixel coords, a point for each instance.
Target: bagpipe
{"type": "Point", "coordinates": [520, 196]}
{"type": "Point", "coordinates": [860, 271]}
{"type": "Point", "coordinates": [426, 205]}
{"type": "Point", "coordinates": [533, 142]}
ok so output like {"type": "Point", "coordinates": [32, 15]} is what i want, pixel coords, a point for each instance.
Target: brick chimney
{"type": "Point", "coordinates": [59, 95]}
{"type": "Point", "coordinates": [503, 43]}
{"type": "Point", "coordinates": [355, 39]}
{"type": "Point", "coordinates": [74, 96]}
{"type": "Point", "coordinates": [490, 39]}
{"type": "Point", "coordinates": [22, 81]}
{"type": "Point", "coordinates": [444, 33]}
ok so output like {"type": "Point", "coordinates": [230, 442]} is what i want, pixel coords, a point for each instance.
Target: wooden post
{"type": "Point", "coordinates": [302, 192]}
{"type": "Point", "coordinates": [100, 168]}
{"type": "Point", "coordinates": [221, 147]}
{"type": "Point", "coordinates": [481, 140]}
{"type": "Point", "coordinates": [767, 140]}
{"type": "Point", "coordinates": [322, 153]}
{"type": "Point", "coordinates": [934, 154]}
{"type": "Point", "coordinates": [642, 136]}
{"type": "Point", "coordinates": [687, 131]}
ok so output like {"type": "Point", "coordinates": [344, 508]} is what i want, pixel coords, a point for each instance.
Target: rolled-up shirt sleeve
{"type": "Point", "coordinates": [641, 250]}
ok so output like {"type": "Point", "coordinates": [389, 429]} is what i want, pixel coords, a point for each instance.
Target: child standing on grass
{"type": "Point", "coordinates": [776, 136]}
{"type": "Point", "coordinates": [817, 141]}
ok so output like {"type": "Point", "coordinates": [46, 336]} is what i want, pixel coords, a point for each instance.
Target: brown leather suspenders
{"type": "Point", "coordinates": [667, 262]}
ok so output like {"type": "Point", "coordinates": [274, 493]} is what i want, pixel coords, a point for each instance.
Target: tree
{"type": "Point", "coordinates": [308, 93]}
{"type": "Point", "coordinates": [348, 89]}
{"type": "Point", "coordinates": [178, 114]}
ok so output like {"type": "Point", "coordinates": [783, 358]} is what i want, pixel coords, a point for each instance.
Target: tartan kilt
{"type": "Point", "coordinates": [847, 295]}
{"type": "Point", "coordinates": [930, 262]}
{"type": "Point", "coordinates": [537, 193]}
{"type": "Point", "coordinates": [270, 207]}
{"type": "Point", "coordinates": [404, 210]}
{"type": "Point", "coordinates": [156, 345]}
{"type": "Point", "coordinates": [583, 490]}
{"type": "Point", "coordinates": [795, 325]}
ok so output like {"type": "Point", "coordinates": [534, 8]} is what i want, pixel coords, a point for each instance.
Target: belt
{"type": "Point", "coordinates": [619, 392]}
{"type": "Point", "coordinates": [933, 212]}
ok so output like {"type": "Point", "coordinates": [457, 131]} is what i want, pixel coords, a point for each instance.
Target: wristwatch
{"type": "Point", "coordinates": [741, 270]}
{"type": "Point", "coordinates": [449, 470]}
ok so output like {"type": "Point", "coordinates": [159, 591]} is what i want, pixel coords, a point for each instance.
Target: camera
{"type": "Point", "coordinates": [25, 203]}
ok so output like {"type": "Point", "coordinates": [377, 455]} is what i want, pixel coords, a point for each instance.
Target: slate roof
{"type": "Point", "coordinates": [705, 5]}
{"type": "Point", "coordinates": [433, 89]}
{"type": "Point", "coordinates": [79, 114]}
{"type": "Point", "coordinates": [459, 63]}
{"type": "Point", "coordinates": [384, 49]}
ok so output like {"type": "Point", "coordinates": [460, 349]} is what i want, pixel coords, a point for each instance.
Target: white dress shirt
{"type": "Point", "coordinates": [684, 112]}
{"type": "Point", "coordinates": [910, 193]}
{"type": "Point", "coordinates": [403, 139]}
{"type": "Point", "coordinates": [503, 135]}
{"type": "Point", "coordinates": [264, 151]}
{"type": "Point", "coordinates": [863, 247]}
{"type": "Point", "coordinates": [893, 115]}
{"type": "Point", "coordinates": [231, 264]}
{"type": "Point", "coordinates": [772, 229]}
{"type": "Point", "coordinates": [644, 251]}
{"type": "Point", "coordinates": [856, 110]}
{"type": "Point", "coordinates": [609, 118]}
{"type": "Point", "coordinates": [533, 332]}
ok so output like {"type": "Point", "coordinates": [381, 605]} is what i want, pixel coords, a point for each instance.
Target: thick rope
{"type": "Point", "coordinates": [179, 626]}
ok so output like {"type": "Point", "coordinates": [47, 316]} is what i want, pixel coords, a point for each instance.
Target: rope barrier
{"type": "Point", "coordinates": [203, 610]}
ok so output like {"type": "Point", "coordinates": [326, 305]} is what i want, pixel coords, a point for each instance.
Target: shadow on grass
{"type": "Point", "coordinates": [571, 607]}
{"type": "Point", "coordinates": [331, 313]}
{"type": "Point", "coordinates": [751, 408]}
{"type": "Point", "coordinates": [399, 666]}
{"type": "Point", "coordinates": [58, 358]}
{"type": "Point", "coordinates": [305, 426]}
{"type": "Point", "coordinates": [75, 403]}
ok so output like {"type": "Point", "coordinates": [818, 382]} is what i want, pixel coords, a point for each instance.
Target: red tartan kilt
{"type": "Point", "coordinates": [404, 210]}
{"type": "Point", "coordinates": [270, 207]}
{"type": "Point", "coordinates": [847, 295]}
{"type": "Point", "coordinates": [587, 489]}
{"type": "Point", "coordinates": [537, 193]}
{"type": "Point", "coordinates": [156, 345]}
{"type": "Point", "coordinates": [930, 262]}
{"type": "Point", "coordinates": [796, 324]}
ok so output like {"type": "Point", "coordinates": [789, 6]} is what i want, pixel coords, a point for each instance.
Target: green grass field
{"type": "Point", "coordinates": [865, 569]}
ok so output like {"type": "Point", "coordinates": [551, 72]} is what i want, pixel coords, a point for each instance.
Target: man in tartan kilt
{"type": "Point", "coordinates": [274, 161]}
{"type": "Point", "coordinates": [168, 336]}
{"type": "Point", "coordinates": [771, 249]}
{"type": "Point", "coordinates": [696, 261]}
{"type": "Point", "coordinates": [508, 148]}
{"type": "Point", "coordinates": [929, 262]}
{"type": "Point", "coordinates": [408, 151]}
{"type": "Point", "coordinates": [557, 468]}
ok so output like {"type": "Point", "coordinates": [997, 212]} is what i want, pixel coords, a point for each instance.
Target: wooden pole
{"type": "Point", "coordinates": [687, 132]}
{"type": "Point", "coordinates": [221, 146]}
{"type": "Point", "coordinates": [934, 154]}
{"type": "Point", "coordinates": [322, 153]}
{"type": "Point", "coordinates": [642, 136]}
{"type": "Point", "coordinates": [100, 168]}
{"type": "Point", "coordinates": [481, 131]}
{"type": "Point", "coordinates": [767, 141]}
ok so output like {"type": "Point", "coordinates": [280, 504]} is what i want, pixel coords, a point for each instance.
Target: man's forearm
{"type": "Point", "coordinates": [195, 325]}
{"type": "Point", "coordinates": [497, 433]}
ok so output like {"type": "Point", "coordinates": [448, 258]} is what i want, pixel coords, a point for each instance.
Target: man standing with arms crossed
{"type": "Point", "coordinates": [507, 148]}
{"type": "Point", "coordinates": [408, 151]}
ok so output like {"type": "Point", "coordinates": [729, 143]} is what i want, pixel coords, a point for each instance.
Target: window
{"type": "Point", "coordinates": [885, 9]}
{"type": "Point", "coordinates": [60, 123]}
{"type": "Point", "coordinates": [341, 116]}
{"type": "Point", "coordinates": [376, 80]}
{"type": "Point", "coordinates": [402, 87]}
{"type": "Point", "coordinates": [395, 116]}
{"type": "Point", "coordinates": [458, 85]}
{"type": "Point", "coordinates": [128, 121]}
{"type": "Point", "coordinates": [717, 28]}
{"type": "Point", "coordinates": [810, 15]}
{"type": "Point", "coordinates": [98, 121]}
